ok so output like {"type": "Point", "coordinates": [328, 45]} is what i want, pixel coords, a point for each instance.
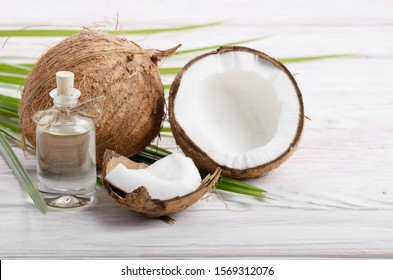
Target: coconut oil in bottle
{"type": "Point", "coordinates": [65, 150]}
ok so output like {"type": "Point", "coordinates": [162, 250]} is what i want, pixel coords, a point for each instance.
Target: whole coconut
{"type": "Point", "coordinates": [104, 65]}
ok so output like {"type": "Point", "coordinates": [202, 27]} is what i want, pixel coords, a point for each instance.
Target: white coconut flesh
{"type": "Point", "coordinates": [241, 110]}
{"type": "Point", "coordinates": [172, 176]}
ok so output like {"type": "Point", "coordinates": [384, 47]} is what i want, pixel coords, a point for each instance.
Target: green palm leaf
{"type": "Point", "coordinates": [21, 69]}
{"type": "Point", "coordinates": [213, 47]}
{"type": "Point", "coordinates": [69, 32]}
{"type": "Point", "coordinates": [21, 174]}
{"type": "Point", "coordinates": [310, 58]}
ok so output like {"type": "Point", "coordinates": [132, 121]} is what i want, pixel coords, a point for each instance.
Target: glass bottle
{"type": "Point", "coordinates": [65, 150]}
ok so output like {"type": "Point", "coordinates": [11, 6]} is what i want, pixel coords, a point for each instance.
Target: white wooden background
{"type": "Point", "coordinates": [333, 198]}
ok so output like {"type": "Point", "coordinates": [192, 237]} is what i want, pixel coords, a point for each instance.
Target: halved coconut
{"type": "Point", "coordinates": [238, 109]}
{"type": "Point", "coordinates": [139, 200]}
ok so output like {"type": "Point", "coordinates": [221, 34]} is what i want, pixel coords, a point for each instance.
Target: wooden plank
{"type": "Point", "coordinates": [333, 198]}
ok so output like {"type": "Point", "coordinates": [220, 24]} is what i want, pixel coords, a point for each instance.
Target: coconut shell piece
{"type": "Point", "coordinates": [200, 157]}
{"type": "Point", "coordinates": [140, 200]}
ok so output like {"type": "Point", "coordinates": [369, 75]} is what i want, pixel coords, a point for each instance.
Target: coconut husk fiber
{"type": "Point", "coordinates": [104, 65]}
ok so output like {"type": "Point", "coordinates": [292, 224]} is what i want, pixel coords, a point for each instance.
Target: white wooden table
{"type": "Point", "coordinates": [333, 198]}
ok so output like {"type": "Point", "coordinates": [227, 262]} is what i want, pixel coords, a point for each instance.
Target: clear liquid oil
{"type": "Point", "coordinates": [66, 163]}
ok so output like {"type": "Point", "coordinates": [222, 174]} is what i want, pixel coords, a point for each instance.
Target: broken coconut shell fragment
{"type": "Point", "coordinates": [238, 109]}
{"type": "Point", "coordinates": [140, 200]}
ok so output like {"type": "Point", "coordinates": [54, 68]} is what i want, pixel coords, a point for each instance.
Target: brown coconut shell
{"type": "Point", "coordinates": [200, 158]}
{"type": "Point", "coordinates": [140, 201]}
{"type": "Point", "coordinates": [104, 65]}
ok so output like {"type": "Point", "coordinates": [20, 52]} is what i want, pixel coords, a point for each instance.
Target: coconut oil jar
{"type": "Point", "coordinates": [66, 149]}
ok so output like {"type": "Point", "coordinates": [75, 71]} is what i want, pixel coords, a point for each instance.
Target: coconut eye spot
{"type": "Point", "coordinates": [241, 110]}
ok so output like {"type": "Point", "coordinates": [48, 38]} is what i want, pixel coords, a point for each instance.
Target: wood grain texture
{"type": "Point", "coordinates": [332, 198]}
